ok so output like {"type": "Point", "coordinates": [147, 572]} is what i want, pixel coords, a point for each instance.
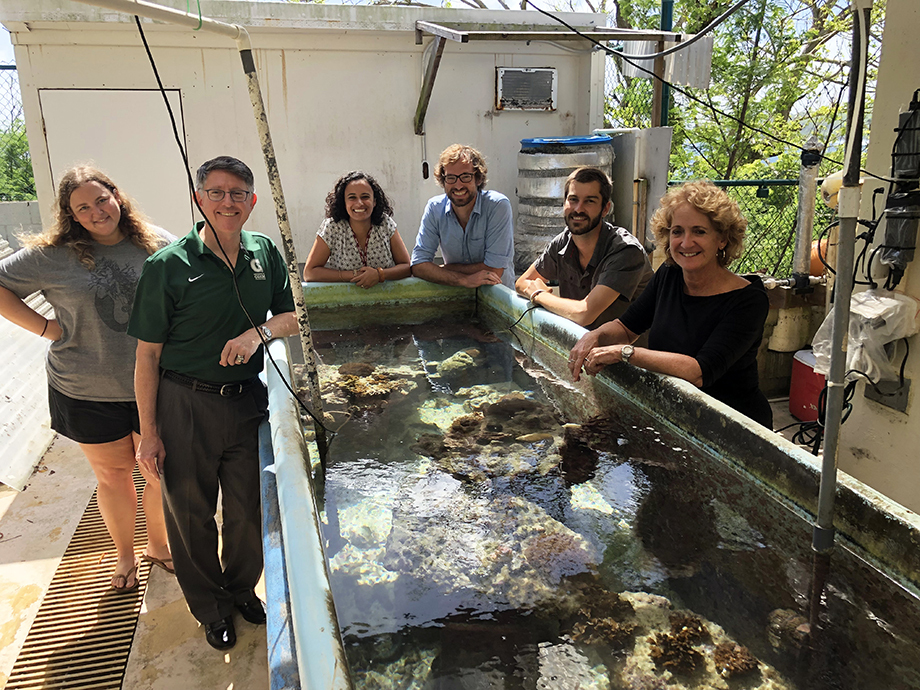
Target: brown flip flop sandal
{"type": "Point", "coordinates": [160, 563]}
{"type": "Point", "coordinates": [126, 577]}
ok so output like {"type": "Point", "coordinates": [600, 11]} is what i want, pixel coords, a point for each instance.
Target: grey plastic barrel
{"type": "Point", "coordinates": [543, 166]}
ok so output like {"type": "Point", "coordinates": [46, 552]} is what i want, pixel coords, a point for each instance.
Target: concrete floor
{"type": "Point", "coordinates": [169, 649]}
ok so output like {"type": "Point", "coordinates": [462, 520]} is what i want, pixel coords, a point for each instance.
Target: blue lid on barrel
{"type": "Point", "coordinates": [541, 143]}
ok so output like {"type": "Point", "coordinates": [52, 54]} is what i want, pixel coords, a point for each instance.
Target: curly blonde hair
{"type": "Point", "coordinates": [467, 154]}
{"type": "Point", "coordinates": [67, 232]}
{"type": "Point", "coordinates": [723, 212]}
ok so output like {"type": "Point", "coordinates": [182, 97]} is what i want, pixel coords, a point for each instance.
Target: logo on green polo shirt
{"type": "Point", "coordinates": [257, 271]}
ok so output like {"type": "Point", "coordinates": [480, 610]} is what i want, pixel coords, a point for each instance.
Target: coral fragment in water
{"type": "Point", "coordinates": [556, 553]}
{"type": "Point", "coordinates": [674, 653]}
{"type": "Point", "coordinates": [687, 626]}
{"type": "Point", "coordinates": [488, 442]}
{"type": "Point", "coordinates": [603, 631]}
{"type": "Point", "coordinates": [733, 660]}
{"type": "Point", "coordinates": [786, 629]}
{"type": "Point", "coordinates": [456, 365]}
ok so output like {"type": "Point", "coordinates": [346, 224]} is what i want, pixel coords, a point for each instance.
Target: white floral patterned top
{"type": "Point", "coordinates": [344, 254]}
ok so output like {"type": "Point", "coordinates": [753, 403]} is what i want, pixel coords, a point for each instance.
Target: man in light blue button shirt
{"type": "Point", "coordinates": [473, 226]}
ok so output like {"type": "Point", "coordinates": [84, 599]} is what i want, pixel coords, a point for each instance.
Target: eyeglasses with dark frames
{"type": "Point", "coordinates": [237, 195]}
{"type": "Point", "coordinates": [465, 177]}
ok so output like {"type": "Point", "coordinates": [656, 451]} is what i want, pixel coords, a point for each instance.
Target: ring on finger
{"type": "Point", "coordinates": [240, 359]}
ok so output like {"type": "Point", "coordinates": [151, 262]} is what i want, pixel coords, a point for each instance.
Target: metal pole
{"type": "Point", "coordinates": [667, 23]}
{"type": "Point", "coordinates": [287, 241]}
{"type": "Point", "coordinates": [241, 36]}
{"type": "Point", "coordinates": [848, 211]}
{"type": "Point", "coordinates": [805, 214]}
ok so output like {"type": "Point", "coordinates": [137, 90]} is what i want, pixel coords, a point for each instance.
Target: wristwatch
{"type": "Point", "coordinates": [266, 331]}
{"type": "Point", "coordinates": [626, 353]}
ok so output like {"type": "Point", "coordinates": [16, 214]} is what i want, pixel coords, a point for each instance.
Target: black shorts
{"type": "Point", "coordinates": [85, 421]}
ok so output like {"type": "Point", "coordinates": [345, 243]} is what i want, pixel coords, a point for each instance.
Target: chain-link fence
{"type": "Point", "coordinates": [16, 180]}
{"type": "Point", "coordinates": [770, 208]}
{"type": "Point", "coordinates": [628, 100]}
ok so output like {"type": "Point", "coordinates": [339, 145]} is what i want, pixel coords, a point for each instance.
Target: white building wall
{"type": "Point", "coordinates": [877, 444]}
{"type": "Point", "coordinates": [340, 92]}
{"type": "Point", "coordinates": [19, 218]}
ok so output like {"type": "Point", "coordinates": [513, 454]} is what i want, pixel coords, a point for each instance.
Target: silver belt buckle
{"type": "Point", "coordinates": [228, 390]}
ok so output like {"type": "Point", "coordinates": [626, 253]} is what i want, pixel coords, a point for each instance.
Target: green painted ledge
{"type": "Point", "coordinates": [407, 290]}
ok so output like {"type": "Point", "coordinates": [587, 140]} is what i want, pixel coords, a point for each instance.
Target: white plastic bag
{"type": "Point", "coordinates": [877, 317]}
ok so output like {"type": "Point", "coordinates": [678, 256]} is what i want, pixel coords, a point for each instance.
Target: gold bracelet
{"type": "Point", "coordinates": [383, 278]}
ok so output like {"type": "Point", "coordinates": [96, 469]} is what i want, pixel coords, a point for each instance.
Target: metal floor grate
{"type": "Point", "coordinates": [82, 634]}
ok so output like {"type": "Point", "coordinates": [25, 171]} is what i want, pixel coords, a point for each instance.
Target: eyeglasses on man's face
{"type": "Point", "coordinates": [465, 177]}
{"type": "Point", "coordinates": [238, 195]}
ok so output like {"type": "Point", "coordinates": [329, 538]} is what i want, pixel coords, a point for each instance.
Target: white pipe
{"type": "Point", "coordinates": [169, 15]}
{"type": "Point", "coordinates": [805, 214]}
{"type": "Point", "coordinates": [320, 657]}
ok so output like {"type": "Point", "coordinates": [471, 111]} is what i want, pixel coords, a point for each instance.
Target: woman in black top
{"type": "Point", "coordinates": [705, 323]}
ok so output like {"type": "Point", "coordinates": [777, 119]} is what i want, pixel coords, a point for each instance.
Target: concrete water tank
{"type": "Point", "coordinates": [543, 166]}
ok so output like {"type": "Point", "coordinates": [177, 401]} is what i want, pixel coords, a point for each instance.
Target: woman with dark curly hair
{"type": "Point", "coordinates": [705, 323]}
{"type": "Point", "coordinates": [358, 242]}
{"type": "Point", "coordinates": [87, 266]}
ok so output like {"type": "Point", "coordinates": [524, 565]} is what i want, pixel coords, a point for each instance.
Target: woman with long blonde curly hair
{"type": "Point", "coordinates": [67, 231]}
{"type": "Point", "coordinates": [87, 266]}
{"type": "Point", "coordinates": [705, 322]}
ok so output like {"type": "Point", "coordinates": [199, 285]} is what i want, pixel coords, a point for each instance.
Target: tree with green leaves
{"type": "Point", "coordinates": [16, 180]}
{"type": "Point", "coordinates": [779, 66]}
{"type": "Point", "coordinates": [780, 71]}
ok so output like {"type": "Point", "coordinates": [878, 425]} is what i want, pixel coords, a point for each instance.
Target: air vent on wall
{"type": "Point", "coordinates": [524, 88]}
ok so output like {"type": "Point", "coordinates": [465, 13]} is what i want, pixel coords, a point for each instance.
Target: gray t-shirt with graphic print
{"type": "Point", "coordinates": [94, 359]}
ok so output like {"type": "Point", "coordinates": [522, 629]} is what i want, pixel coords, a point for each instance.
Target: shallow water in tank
{"type": "Point", "coordinates": [477, 537]}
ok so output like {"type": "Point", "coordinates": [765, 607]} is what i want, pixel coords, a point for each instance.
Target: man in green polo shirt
{"type": "Point", "coordinates": [198, 393]}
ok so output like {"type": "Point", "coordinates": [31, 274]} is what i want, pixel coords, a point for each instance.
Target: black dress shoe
{"type": "Point", "coordinates": [252, 611]}
{"type": "Point", "coordinates": [220, 635]}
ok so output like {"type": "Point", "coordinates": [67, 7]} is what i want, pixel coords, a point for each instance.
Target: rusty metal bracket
{"type": "Point", "coordinates": [431, 72]}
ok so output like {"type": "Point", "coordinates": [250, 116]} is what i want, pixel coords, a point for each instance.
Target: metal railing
{"type": "Point", "coordinates": [16, 180]}
{"type": "Point", "coordinates": [770, 209]}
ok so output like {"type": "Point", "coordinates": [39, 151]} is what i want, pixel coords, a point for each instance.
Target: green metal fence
{"type": "Point", "coordinates": [770, 208]}
{"type": "Point", "coordinates": [16, 180]}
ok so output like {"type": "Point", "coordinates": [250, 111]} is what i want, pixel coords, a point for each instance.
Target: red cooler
{"type": "Point", "coordinates": [805, 388]}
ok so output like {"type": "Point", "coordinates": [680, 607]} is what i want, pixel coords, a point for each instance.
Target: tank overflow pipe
{"type": "Point", "coordinates": [848, 212]}
{"type": "Point", "coordinates": [805, 214]}
{"type": "Point", "coordinates": [241, 36]}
